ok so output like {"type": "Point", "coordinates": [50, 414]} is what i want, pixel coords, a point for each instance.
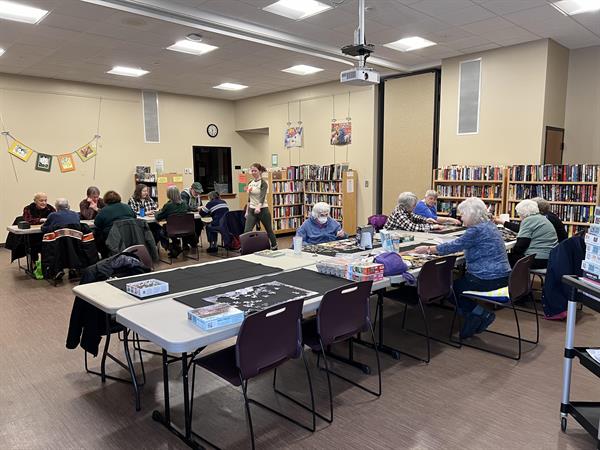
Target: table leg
{"type": "Point", "coordinates": [568, 356]}
{"type": "Point", "coordinates": [136, 388]}
{"type": "Point", "coordinates": [394, 353]}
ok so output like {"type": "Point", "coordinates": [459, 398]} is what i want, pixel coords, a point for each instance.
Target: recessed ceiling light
{"type": "Point", "coordinates": [127, 71]}
{"type": "Point", "coordinates": [409, 44]}
{"type": "Point", "coordinates": [230, 87]}
{"type": "Point", "coordinates": [297, 9]}
{"type": "Point", "coordinates": [572, 7]}
{"type": "Point", "coordinates": [2, 51]}
{"type": "Point", "coordinates": [191, 47]}
{"type": "Point", "coordinates": [302, 69]}
{"type": "Point", "coordinates": [21, 13]}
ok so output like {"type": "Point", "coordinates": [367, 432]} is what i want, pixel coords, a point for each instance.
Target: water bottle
{"type": "Point", "coordinates": [142, 212]}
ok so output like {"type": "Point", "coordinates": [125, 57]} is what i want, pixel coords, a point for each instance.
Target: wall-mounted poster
{"type": "Point", "coordinates": [86, 152]}
{"type": "Point", "coordinates": [20, 151]}
{"type": "Point", "coordinates": [293, 137]}
{"type": "Point", "coordinates": [66, 162]}
{"type": "Point", "coordinates": [43, 162]}
{"type": "Point", "coordinates": [341, 133]}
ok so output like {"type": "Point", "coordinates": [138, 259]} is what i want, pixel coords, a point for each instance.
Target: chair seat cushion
{"type": "Point", "coordinates": [223, 364]}
{"type": "Point", "coordinates": [497, 295]}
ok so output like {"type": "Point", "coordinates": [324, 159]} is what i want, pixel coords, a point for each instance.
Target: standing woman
{"type": "Point", "coordinates": [258, 209]}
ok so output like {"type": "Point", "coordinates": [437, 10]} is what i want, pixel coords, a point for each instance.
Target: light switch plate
{"type": "Point", "coordinates": [187, 171]}
{"type": "Point", "coordinates": [366, 183]}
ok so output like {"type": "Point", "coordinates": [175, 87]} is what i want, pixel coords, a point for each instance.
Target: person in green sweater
{"type": "Point", "coordinates": [113, 210]}
{"type": "Point", "coordinates": [174, 206]}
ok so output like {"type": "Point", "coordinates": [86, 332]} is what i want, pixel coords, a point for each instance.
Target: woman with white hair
{"type": "Point", "coordinates": [173, 206]}
{"type": "Point", "coordinates": [536, 236]}
{"type": "Point", "coordinates": [487, 263]}
{"type": "Point", "coordinates": [403, 218]}
{"type": "Point", "coordinates": [428, 209]}
{"type": "Point", "coordinates": [544, 207]}
{"type": "Point", "coordinates": [320, 227]}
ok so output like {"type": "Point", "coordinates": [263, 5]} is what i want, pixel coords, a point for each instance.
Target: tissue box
{"type": "Point", "coordinates": [147, 288]}
{"type": "Point", "coordinates": [215, 316]}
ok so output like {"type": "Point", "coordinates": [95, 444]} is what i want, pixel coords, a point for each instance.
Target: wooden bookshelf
{"type": "Point", "coordinates": [149, 179]}
{"type": "Point", "coordinates": [286, 199]}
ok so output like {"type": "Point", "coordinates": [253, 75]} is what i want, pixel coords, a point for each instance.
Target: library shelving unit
{"type": "Point", "coordinates": [149, 179]}
{"type": "Point", "coordinates": [336, 185]}
{"type": "Point", "coordinates": [572, 190]}
{"type": "Point", "coordinates": [456, 183]}
{"type": "Point", "coordinates": [286, 199]}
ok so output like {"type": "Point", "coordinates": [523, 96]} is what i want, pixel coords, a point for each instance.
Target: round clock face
{"type": "Point", "coordinates": [212, 130]}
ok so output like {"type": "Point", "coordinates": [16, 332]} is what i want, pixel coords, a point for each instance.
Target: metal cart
{"type": "Point", "coordinates": [587, 414]}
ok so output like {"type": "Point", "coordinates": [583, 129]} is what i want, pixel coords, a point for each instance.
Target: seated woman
{"type": "Point", "coordinates": [215, 209]}
{"type": "Point", "coordinates": [428, 208]}
{"type": "Point", "coordinates": [191, 197]}
{"type": "Point", "coordinates": [61, 217]}
{"type": "Point", "coordinates": [91, 205]}
{"type": "Point", "coordinates": [487, 263]}
{"type": "Point", "coordinates": [173, 206]}
{"type": "Point", "coordinates": [141, 199]}
{"type": "Point", "coordinates": [113, 210]}
{"type": "Point", "coordinates": [320, 228]}
{"type": "Point", "coordinates": [402, 218]}
{"type": "Point", "coordinates": [36, 212]}
{"type": "Point", "coordinates": [536, 236]}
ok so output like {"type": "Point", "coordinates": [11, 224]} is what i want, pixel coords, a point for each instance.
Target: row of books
{"type": "Point", "coordinates": [287, 211]}
{"type": "Point", "coordinates": [145, 177]}
{"type": "Point", "coordinates": [287, 186]}
{"type": "Point", "coordinates": [287, 223]}
{"type": "Point", "coordinates": [548, 172]}
{"type": "Point", "coordinates": [566, 213]}
{"type": "Point", "coordinates": [333, 200]}
{"type": "Point", "coordinates": [330, 172]}
{"type": "Point", "coordinates": [591, 263]}
{"type": "Point", "coordinates": [554, 192]}
{"type": "Point", "coordinates": [287, 199]}
{"type": "Point", "coordinates": [289, 173]}
{"type": "Point", "coordinates": [492, 191]}
{"type": "Point", "coordinates": [446, 207]}
{"type": "Point", "coordinates": [322, 186]}
{"type": "Point", "coordinates": [469, 173]}
{"type": "Point", "coordinates": [334, 213]}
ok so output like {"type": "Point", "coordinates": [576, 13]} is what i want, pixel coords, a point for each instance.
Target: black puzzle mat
{"type": "Point", "coordinates": [189, 278]}
{"type": "Point", "coordinates": [448, 230]}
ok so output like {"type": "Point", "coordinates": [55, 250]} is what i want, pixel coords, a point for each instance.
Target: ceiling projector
{"type": "Point", "coordinates": [359, 76]}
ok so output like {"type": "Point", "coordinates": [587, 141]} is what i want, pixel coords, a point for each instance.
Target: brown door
{"type": "Point", "coordinates": [554, 145]}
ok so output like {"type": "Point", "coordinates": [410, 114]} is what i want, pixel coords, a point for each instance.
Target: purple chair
{"type": "Point", "coordinates": [344, 312]}
{"type": "Point", "coordinates": [254, 241]}
{"type": "Point", "coordinates": [265, 341]}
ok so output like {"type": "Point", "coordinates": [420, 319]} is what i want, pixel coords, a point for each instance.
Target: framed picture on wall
{"type": "Point", "coordinates": [43, 162]}
{"type": "Point", "coordinates": [21, 151]}
{"type": "Point", "coordinates": [86, 152]}
{"type": "Point", "coordinates": [293, 137]}
{"type": "Point", "coordinates": [66, 162]}
{"type": "Point", "coordinates": [341, 133]}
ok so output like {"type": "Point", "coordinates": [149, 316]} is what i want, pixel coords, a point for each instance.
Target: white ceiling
{"type": "Point", "coordinates": [80, 41]}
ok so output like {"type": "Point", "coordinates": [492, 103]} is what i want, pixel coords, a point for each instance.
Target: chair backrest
{"type": "Point", "coordinates": [519, 283]}
{"type": "Point", "coordinates": [234, 221]}
{"type": "Point", "coordinates": [377, 221]}
{"type": "Point", "coordinates": [254, 241]}
{"type": "Point", "coordinates": [344, 312]}
{"type": "Point", "coordinates": [435, 279]}
{"type": "Point", "coordinates": [141, 252]}
{"type": "Point", "coordinates": [269, 338]}
{"type": "Point", "coordinates": [180, 225]}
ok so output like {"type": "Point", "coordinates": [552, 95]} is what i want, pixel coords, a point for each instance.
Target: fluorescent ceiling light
{"type": "Point", "coordinates": [230, 87]}
{"type": "Point", "coordinates": [127, 71]}
{"type": "Point", "coordinates": [191, 47]}
{"type": "Point", "coordinates": [409, 44]}
{"type": "Point", "coordinates": [302, 69]}
{"type": "Point", "coordinates": [571, 7]}
{"type": "Point", "coordinates": [2, 51]}
{"type": "Point", "coordinates": [297, 9]}
{"type": "Point", "coordinates": [21, 13]}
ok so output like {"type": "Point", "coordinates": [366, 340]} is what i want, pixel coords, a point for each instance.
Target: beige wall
{"type": "Point", "coordinates": [512, 102]}
{"type": "Point", "coordinates": [582, 122]}
{"type": "Point", "coordinates": [58, 116]}
{"type": "Point", "coordinates": [557, 70]}
{"type": "Point", "coordinates": [316, 111]}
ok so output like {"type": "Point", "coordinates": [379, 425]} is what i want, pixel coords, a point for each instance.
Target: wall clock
{"type": "Point", "coordinates": [212, 130]}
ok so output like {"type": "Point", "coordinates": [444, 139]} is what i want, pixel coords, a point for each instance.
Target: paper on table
{"type": "Point", "coordinates": [594, 353]}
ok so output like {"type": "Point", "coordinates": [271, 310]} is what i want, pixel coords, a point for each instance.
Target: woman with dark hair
{"type": "Point", "coordinates": [113, 210]}
{"type": "Point", "coordinates": [91, 204]}
{"type": "Point", "coordinates": [258, 208]}
{"type": "Point", "coordinates": [141, 199]}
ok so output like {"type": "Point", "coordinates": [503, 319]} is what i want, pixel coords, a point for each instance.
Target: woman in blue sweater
{"type": "Point", "coordinates": [487, 263]}
{"type": "Point", "coordinates": [320, 228]}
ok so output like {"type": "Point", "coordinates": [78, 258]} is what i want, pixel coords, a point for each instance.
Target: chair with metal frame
{"type": "Point", "coordinates": [181, 226]}
{"type": "Point", "coordinates": [343, 313]}
{"type": "Point", "coordinates": [265, 341]}
{"type": "Point", "coordinates": [433, 284]}
{"type": "Point", "coordinates": [254, 241]}
{"type": "Point", "coordinates": [519, 286]}
{"type": "Point", "coordinates": [142, 253]}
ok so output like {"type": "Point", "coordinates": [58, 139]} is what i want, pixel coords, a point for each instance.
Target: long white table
{"type": "Point", "coordinates": [36, 229]}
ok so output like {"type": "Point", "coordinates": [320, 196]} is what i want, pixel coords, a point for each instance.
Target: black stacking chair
{"type": "Point", "coordinates": [266, 340]}
{"type": "Point", "coordinates": [181, 226]}
{"type": "Point", "coordinates": [519, 287]}
{"type": "Point", "coordinates": [344, 312]}
{"type": "Point", "coordinates": [254, 241]}
{"type": "Point", "coordinates": [433, 284]}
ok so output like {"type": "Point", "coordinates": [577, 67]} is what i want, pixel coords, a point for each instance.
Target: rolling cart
{"type": "Point", "coordinates": [587, 414]}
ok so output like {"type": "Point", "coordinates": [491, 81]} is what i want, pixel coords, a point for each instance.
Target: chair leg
{"type": "Point", "coordinates": [377, 357]}
{"type": "Point", "coordinates": [426, 331]}
{"type": "Point", "coordinates": [248, 415]}
{"type": "Point", "coordinates": [330, 419]}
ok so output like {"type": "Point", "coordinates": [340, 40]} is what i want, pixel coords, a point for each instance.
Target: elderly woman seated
{"type": "Point", "coordinates": [320, 228]}
{"type": "Point", "coordinates": [487, 263]}
{"type": "Point", "coordinates": [402, 218]}
{"type": "Point", "coordinates": [62, 217]}
{"type": "Point", "coordinates": [428, 208]}
{"type": "Point", "coordinates": [544, 207]}
{"type": "Point", "coordinates": [38, 211]}
{"type": "Point", "coordinates": [536, 236]}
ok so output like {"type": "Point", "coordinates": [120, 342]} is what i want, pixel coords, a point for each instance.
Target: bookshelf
{"type": "Point", "coordinates": [286, 199]}
{"type": "Point", "coordinates": [149, 179]}
{"type": "Point", "coordinates": [456, 183]}
{"type": "Point", "coordinates": [572, 190]}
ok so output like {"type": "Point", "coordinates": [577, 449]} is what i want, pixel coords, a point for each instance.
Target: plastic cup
{"type": "Point", "coordinates": [142, 212]}
{"type": "Point", "coordinates": [297, 245]}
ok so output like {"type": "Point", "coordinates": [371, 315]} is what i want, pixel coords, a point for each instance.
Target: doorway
{"type": "Point", "coordinates": [212, 168]}
{"type": "Point", "coordinates": [554, 146]}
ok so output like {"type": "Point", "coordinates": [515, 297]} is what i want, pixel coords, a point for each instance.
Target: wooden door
{"type": "Point", "coordinates": [553, 149]}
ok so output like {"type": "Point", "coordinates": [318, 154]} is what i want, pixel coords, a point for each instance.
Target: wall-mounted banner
{"type": "Point", "coordinates": [294, 137]}
{"type": "Point", "coordinates": [21, 151]}
{"type": "Point", "coordinates": [341, 133]}
{"type": "Point", "coordinates": [66, 162]}
{"type": "Point", "coordinates": [86, 152]}
{"type": "Point", "coordinates": [43, 162]}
